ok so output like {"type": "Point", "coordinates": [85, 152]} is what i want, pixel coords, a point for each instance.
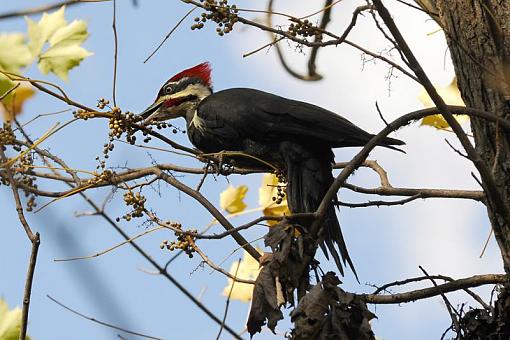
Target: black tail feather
{"type": "Point", "coordinates": [309, 176]}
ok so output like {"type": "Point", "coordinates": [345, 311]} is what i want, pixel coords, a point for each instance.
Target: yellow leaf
{"type": "Point", "coordinates": [451, 96]}
{"type": "Point", "coordinates": [249, 269]}
{"type": "Point", "coordinates": [436, 121]}
{"type": "Point", "coordinates": [231, 199]}
{"type": "Point", "coordinates": [73, 34]}
{"type": "Point", "coordinates": [39, 32]}
{"type": "Point", "coordinates": [14, 53]}
{"type": "Point", "coordinates": [61, 58]}
{"type": "Point", "coordinates": [12, 105]}
{"type": "Point", "coordinates": [267, 191]}
{"type": "Point", "coordinates": [10, 322]}
{"type": "Point", "coordinates": [64, 51]}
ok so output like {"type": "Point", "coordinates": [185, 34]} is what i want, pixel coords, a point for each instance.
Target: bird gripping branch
{"type": "Point", "coordinates": [295, 136]}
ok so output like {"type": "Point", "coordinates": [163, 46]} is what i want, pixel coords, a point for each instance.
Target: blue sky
{"type": "Point", "coordinates": [386, 244]}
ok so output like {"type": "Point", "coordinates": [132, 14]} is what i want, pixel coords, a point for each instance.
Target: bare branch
{"type": "Point", "coordinates": [34, 239]}
{"type": "Point", "coordinates": [45, 8]}
{"type": "Point", "coordinates": [422, 193]}
{"type": "Point", "coordinates": [419, 294]}
{"type": "Point", "coordinates": [422, 278]}
{"type": "Point", "coordinates": [211, 208]}
{"type": "Point", "coordinates": [378, 203]}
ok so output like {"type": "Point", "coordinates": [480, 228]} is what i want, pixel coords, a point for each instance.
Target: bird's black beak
{"type": "Point", "coordinates": [151, 110]}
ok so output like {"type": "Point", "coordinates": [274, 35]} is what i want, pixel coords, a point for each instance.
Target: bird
{"type": "Point", "coordinates": [296, 137]}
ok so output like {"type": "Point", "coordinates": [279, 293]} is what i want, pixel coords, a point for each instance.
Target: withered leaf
{"type": "Point", "coordinates": [264, 303]}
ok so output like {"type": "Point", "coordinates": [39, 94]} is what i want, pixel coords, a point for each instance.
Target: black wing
{"type": "Point", "coordinates": [260, 115]}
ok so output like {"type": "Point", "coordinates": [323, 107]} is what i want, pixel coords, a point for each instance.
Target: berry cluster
{"type": "Point", "coordinates": [83, 114]}
{"type": "Point", "coordinates": [280, 194]}
{"type": "Point", "coordinates": [280, 188]}
{"type": "Point", "coordinates": [104, 176]}
{"type": "Point", "coordinates": [304, 29]}
{"type": "Point", "coordinates": [223, 14]}
{"type": "Point", "coordinates": [24, 163]}
{"type": "Point", "coordinates": [123, 122]}
{"type": "Point", "coordinates": [31, 203]}
{"type": "Point", "coordinates": [184, 242]}
{"type": "Point", "coordinates": [102, 103]}
{"type": "Point", "coordinates": [137, 201]}
{"type": "Point", "coordinates": [24, 168]}
{"type": "Point", "coordinates": [6, 136]}
{"type": "Point", "coordinates": [118, 124]}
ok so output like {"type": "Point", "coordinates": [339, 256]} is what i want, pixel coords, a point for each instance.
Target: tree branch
{"type": "Point", "coordinates": [33, 238]}
{"type": "Point", "coordinates": [419, 294]}
{"type": "Point", "coordinates": [241, 241]}
{"type": "Point", "coordinates": [45, 8]}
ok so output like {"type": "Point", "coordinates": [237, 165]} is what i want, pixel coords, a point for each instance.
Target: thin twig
{"type": "Point", "coordinates": [448, 305]}
{"type": "Point", "coordinates": [418, 8]}
{"type": "Point", "coordinates": [486, 243]}
{"type": "Point", "coordinates": [109, 325]}
{"type": "Point", "coordinates": [457, 151]}
{"type": "Point", "coordinates": [216, 267]}
{"type": "Point", "coordinates": [219, 236]}
{"type": "Point", "coordinates": [115, 51]}
{"type": "Point", "coordinates": [169, 34]}
{"type": "Point", "coordinates": [228, 302]}
{"type": "Point", "coordinates": [269, 44]}
{"type": "Point", "coordinates": [44, 115]}
{"type": "Point", "coordinates": [45, 8]}
{"type": "Point", "coordinates": [131, 239]}
{"type": "Point", "coordinates": [380, 113]}
{"type": "Point", "coordinates": [202, 179]}
{"type": "Point", "coordinates": [9, 91]}
{"type": "Point", "coordinates": [328, 7]}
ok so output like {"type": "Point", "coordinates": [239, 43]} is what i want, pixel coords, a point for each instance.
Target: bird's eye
{"type": "Point", "coordinates": [168, 89]}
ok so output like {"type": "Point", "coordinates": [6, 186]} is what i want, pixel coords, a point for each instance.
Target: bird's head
{"type": "Point", "coordinates": [180, 94]}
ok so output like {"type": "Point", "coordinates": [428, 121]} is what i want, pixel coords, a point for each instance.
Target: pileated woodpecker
{"type": "Point", "coordinates": [295, 136]}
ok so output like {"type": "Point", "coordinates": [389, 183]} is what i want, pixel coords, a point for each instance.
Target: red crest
{"type": "Point", "coordinates": [202, 71]}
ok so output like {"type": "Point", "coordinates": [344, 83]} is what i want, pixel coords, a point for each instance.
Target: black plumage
{"type": "Point", "coordinates": [295, 136]}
